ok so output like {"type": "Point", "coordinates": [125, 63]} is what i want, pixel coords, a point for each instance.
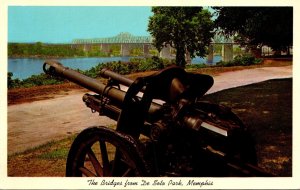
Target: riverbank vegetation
{"type": "Point", "coordinates": [133, 66]}
{"type": "Point", "coordinates": [39, 49]}
{"type": "Point", "coordinates": [43, 50]}
{"type": "Point", "coordinates": [241, 60]}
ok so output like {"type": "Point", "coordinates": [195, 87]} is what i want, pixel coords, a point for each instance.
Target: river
{"type": "Point", "coordinates": [23, 68]}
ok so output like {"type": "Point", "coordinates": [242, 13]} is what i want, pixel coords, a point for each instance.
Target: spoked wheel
{"type": "Point", "coordinates": [100, 151]}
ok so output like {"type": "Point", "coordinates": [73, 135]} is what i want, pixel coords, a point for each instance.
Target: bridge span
{"type": "Point", "coordinates": [127, 42]}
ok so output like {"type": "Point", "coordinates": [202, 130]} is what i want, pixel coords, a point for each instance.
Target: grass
{"type": "Point", "coordinates": [60, 153]}
{"type": "Point", "coordinates": [45, 160]}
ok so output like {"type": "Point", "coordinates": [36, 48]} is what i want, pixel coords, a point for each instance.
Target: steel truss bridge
{"type": "Point", "coordinates": [128, 41]}
{"type": "Point", "coordinates": [121, 38]}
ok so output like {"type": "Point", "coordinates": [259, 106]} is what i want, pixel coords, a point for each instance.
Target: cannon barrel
{"type": "Point", "coordinates": [116, 95]}
{"type": "Point", "coordinates": [55, 68]}
{"type": "Point", "coordinates": [105, 73]}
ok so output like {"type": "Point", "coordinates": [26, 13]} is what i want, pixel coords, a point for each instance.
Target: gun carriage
{"type": "Point", "coordinates": [163, 128]}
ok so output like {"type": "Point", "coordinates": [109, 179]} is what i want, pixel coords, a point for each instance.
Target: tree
{"type": "Point", "coordinates": [187, 29]}
{"type": "Point", "coordinates": [271, 26]}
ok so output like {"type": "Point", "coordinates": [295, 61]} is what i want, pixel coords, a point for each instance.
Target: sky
{"type": "Point", "coordinates": [62, 24]}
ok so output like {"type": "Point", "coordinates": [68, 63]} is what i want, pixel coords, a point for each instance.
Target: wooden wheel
{"type": "Point", "coordinates": [100, 151]}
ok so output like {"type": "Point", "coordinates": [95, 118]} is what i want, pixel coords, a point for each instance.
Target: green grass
{"type": "Point", "coordinates": [48, 159]}
{"type": "Point", "coordinates": [59, 153]}
{"type": "Point", "coordinates": [45, 146]}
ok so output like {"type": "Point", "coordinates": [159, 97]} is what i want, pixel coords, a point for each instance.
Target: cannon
{"type": "Point", "coordinates": [163, 128]}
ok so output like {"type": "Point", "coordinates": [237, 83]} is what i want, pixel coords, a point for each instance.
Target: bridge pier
{"type": "Point", "coordinates": [87, 47]}
{"type": "Point", "coordinates": [146, 51]}
{"type": "Point", "coordinates": [105, 48]}
{"type": "Point", "coordinates": [165, 52]}
{"type": "Point", "coordinates": [125, 49]}
{"type": "Point", "coordinates": [188, 58]}
{"type": "Point", "coordinates": [227, 52]}
{"type": "Point", "coordinates": [210, 56]}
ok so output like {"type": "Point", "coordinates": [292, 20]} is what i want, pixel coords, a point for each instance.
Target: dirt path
{"type": "Point", "coordinates": [33, 124]}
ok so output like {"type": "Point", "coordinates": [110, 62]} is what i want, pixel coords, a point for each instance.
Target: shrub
{"type": "Point", "coordinates": [34, 80]}
{"type": "Point", "coordinates": [41, 79]}
{"type": "Point", "coordinates": [12, 83]}
{"type": "Point", "coordinates": [240, 60]}
{"type": "Point", "coordinates": [134, 65]}
{"type": "Point", "coordinates": [196, 66]}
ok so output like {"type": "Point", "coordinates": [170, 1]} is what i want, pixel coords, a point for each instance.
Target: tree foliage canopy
{"type": "Point", "coordinates": [187, 29]}
{"type": "Point", "coordinates": [272, 26]}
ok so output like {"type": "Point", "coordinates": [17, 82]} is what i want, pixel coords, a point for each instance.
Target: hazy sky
{"type": "Point", "coordinates": [63, 24]}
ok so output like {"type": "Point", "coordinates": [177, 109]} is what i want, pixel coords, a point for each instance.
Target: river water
{"type": "Point", "coordinates": [25, 67]}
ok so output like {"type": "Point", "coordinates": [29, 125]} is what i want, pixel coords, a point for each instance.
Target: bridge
{"type": "Point", "coordinates": [127, 42]}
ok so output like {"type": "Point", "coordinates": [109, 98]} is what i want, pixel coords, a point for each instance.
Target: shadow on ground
{"type": "Point", "coordinates": [266, 108]}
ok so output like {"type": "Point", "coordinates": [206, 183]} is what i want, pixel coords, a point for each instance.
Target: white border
{"type": "Point", "coordinates": [81, 183]}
